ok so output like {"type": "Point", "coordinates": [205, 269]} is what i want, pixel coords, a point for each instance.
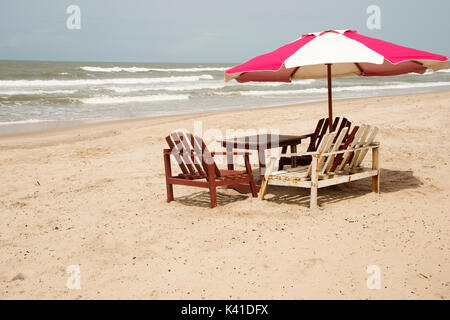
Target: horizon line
{"type": "Point", "coordinates": [110, 61]}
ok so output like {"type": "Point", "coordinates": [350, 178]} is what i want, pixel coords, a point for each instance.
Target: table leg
{"type": "Point", "coordinates": [230, 164]}
{"type": "Point", "coordinates": [293, 158]}
{"type": "Point", "coordinates": [262, 163]}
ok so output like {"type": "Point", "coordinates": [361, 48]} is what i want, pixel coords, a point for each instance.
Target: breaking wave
{"type": "Point", "coordinates": [349, 88]}
{"type": "Point", "coordinates": [122, 100]}
{"type": "Point", "coordinates": [87, 82]}
{"type": "Point", "coordinates": [137, 69]}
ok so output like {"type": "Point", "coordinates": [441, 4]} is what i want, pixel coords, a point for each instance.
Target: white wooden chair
{"type": "Point", "coordinates": [337, 160]}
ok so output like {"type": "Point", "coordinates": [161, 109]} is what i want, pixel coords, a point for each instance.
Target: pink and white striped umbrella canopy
{"type": "Point", "coordinates": [349, 52]}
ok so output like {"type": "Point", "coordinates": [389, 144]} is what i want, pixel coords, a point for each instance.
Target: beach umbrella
{"type": "Point", "coordinates": [335, 53]}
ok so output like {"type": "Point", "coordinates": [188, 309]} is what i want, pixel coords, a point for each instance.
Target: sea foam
{"type": "Point", "coordinates": [35, 92]}
{"type": "Point", "coordinates": [87, 82]}
{"type": "Point", "coordinates": [402, 85]}
{"type": "Point", "coordinates": [114, 69]}
{"type": "Point", "coordinates": [185, 87]}
{"type": "Point", "coordinates": [122, 100]}
{"type": "Point", "coordinates": [137, 69]}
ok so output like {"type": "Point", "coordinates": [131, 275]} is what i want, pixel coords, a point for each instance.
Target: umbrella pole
{"type": "Point", "coordinates": [330, 105]}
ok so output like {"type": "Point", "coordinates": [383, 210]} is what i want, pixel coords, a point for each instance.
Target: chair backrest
{"type": "Point", "coordinates": [362, 137]}
{"type": "Point", "coordinates": [331, 142]}
{"type": "Point", "coordinates": [191, 154]}
{"type": "Point", "coordinates": [321, 129]}
{"type": "Point", "coordinates": [369, 137]}
{"type": "Point", "coordinates": [346, 143]}
{"type": "Point", "coordinates": [325, 145]}
{"type": "Point", "coordinates": [337, 140]}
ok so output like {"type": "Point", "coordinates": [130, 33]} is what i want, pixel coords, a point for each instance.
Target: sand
{"type": "Point", "coordinates": [94, 196]}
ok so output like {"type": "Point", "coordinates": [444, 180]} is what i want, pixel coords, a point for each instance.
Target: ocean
{"type": "Point", "coordinates": [38, 95]}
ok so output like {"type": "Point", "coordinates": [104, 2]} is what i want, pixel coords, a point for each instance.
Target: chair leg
{"type": "Point", "coordinates": [314, 183]}
{"type": "Point", "coordinates": [265, 180]}
{"type": "Point", "coordinates": [263, 189]}
{"type": "Point", "coordinates": [313, 198]}
{"type": "Point", "coordinates": [376, 183]}
{"type": "Point", "coordinates": [169, 188]}
{"type": "Point", "coordinates": [376, 166]}
{"type": "Point", "coordinates": [253, 187]}
{"type": "Point", "coordinates": [213, 195]}
{"type": "Point", "coordinates": [168, 170]}
{"type": "Point", "coordinates": [212, 185]}
{"type": "Point", "coordinates": [251, 181]}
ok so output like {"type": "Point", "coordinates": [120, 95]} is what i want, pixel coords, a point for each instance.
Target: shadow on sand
{"type": "Point", "coordinates": [201, 199]}
{"type": "Point", "coordinates": [391, 181]}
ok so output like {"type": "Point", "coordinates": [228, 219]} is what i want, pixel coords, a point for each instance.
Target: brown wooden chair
{"type": "Point", "coordinates": [315, 139]}
{"type": "Point", "coordinates": [199, 169]}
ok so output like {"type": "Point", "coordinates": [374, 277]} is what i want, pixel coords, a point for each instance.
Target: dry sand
{"type": "Point", "coordinates": [94, 196]}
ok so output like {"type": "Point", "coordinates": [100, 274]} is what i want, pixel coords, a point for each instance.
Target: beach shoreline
{"type": "Point", "coordinates": [94, 196]}
{"type": "Point", "coordinates": [80, 124]}
{"type": "Point", "coordinates": [37, 96]}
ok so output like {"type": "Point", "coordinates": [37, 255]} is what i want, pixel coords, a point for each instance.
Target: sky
{"type": "Point", "coordinates": [204, 31]}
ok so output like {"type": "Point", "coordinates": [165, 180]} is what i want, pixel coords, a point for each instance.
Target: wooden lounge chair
{"type": "Point", "coordinates": [315, 139]}
{"type": "Point", "coordinates": [198, 168]}
{"type": "Point", "coordinates": [337, 160]}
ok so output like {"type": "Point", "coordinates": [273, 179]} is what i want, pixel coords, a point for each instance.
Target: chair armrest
{"type": "Point", "coordinates": [180, 153]}
{"type": "Point", "coordinates": [370, 146]}
{"type": "Point", "coordinates": [235, 153]}
{"type": "Point", "coordinates": [193, 153]}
